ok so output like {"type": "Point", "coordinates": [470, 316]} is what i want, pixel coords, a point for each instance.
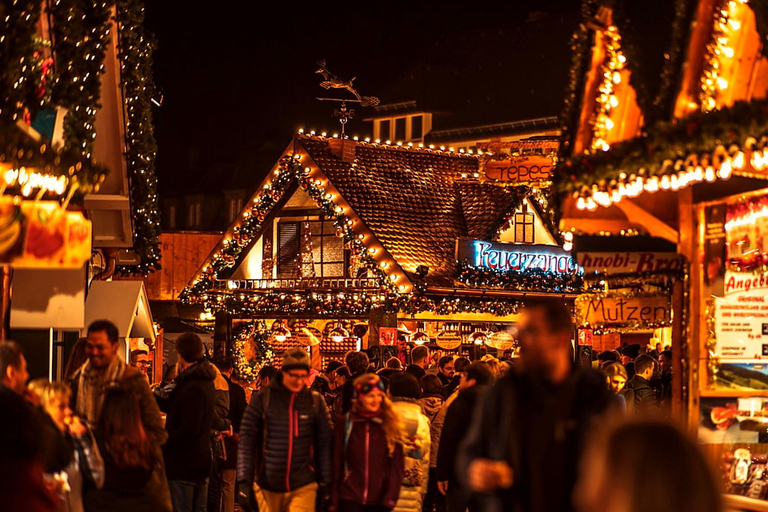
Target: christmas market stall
{"type": "Point", "coordinates": [351, 244]}
{"type": "Point", "coordinates": [665, 141]}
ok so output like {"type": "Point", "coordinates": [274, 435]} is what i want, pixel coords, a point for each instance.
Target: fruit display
{"type": "Point", "coordinates": [12, 231]}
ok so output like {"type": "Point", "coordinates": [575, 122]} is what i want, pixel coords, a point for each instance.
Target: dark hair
{"type": "Point", "coordinates": [76, 359]}
{"type": "Point", "coordinates": [682, 479]}
{"type": "Point", "coordinates": [404, 385]}
{"type": "Point", "coordinates": [444, 361]}
{"type": "Point", "coordinates": [608, 355]}
{"type": "Point", "coordinates": [189, 346]}
{"type": "Point", "coordinates": [342, 372]}
{"type": "Point", "coordinates": [124, 435]}
{"type": "Point", "coordinates": [332, 366]}
{"type": "Point", "coordinates": [268, 372]}
{"type": "Point", "coordinates": [10, 355]}
{"type": "Point", "coordinates": [481, 373]}
{"type": "Point", "coordinates": [558, 316]}
{"type": "Point", "coordinates": [431, 385]}
{"type": "Point", "coordinates": [393, 363]}
{"type": "Point", "coordinates": [643, 362]}
{"type": "Point", "coordinates": [420, 353]}
{"type": "Point", "coordinates": [104, 326]}
{"type": "Point", "coordinates": [461, 364]}
{"type": "Point", "coordinates": [137, 352]}
{"type": "Point", "coordinates": [667, 354]}
{"type": "Point", "coordinates": [357, 362]}
{"type": "Point", "coordinates": [170, 373]}
{"type": "Point", "coordinates": [223, 363]}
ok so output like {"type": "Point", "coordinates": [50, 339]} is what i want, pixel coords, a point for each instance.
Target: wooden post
{"type": "Point", "coordinates": [5, 302]}
{"type": "Point", "coordinates": [222, 333]}
{"type": "Point", "coordinates": [685, 351]}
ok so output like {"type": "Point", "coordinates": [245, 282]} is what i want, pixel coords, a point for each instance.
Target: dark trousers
{"type": "Point", "coordinates": [351, 506]}
{"type": "Point", "coordinates": [461, 500]}
{"type": "Point", "coordinates": [434, 501]}
{"type": "Point", "coordinates": [188, 496]}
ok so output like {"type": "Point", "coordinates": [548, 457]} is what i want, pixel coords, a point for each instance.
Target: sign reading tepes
{"type": "Point", "coordinates": [498, 256]}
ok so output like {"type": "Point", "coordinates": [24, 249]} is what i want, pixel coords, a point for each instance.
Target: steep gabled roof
{"type": "Point", "coordinates": [412, 202]}
{"type": "Point", "coordinates": [406, 197]}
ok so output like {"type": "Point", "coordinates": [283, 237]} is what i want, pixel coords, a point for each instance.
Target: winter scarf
{"type": "Point", "coordinates": [91, 388]}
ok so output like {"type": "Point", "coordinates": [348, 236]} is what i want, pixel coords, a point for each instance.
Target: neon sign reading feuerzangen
{"type": "Point", "coordinates": [490, 255]}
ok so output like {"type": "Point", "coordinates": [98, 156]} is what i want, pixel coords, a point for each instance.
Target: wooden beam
{"type": "Point", "coordinates": [653, 225]}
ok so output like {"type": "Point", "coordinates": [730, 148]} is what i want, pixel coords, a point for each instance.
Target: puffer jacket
{"type": "Point", "coordinates": [190, 416]}
{"type": "Point", "coordinates": [288, 444]}
{"type": "Point", "coordinates": [432, 405]}
{"type": "Point", "coordinates": [417, 453]}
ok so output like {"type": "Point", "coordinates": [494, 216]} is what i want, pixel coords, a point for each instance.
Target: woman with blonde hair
{"type": "Point", "coordinates": [368, 457]}
{"type": "Point", "coordinates": [644, 466]}
{"type": "Point", "coordinates": [86, 467]}
{"type": "Point", "coordinates": [616, 379]}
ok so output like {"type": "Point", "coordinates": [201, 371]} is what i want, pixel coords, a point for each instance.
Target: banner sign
{"type": "Point", "coordinates": [599, 311]}
{"type": "Point", "coordinates": [519, 169]}
{"type": "Point", "coordinates": [741, 317]}
{"type": "Point", "coordinates": [388, 336]}
{"type": "Point", "coordinates": [630, 262]}
{"type": "Point", "coordinates": [39, 234]}
{"type": "Point", "coordinates": [498, 256]}
{"type": "Point", "coordinates": [448, 340]}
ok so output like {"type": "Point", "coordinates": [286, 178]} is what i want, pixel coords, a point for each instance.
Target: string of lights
{"type": "Point", "coordinates": [135, 48]}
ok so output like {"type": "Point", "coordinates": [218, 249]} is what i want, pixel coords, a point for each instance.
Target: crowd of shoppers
{"type": "Point", "coordinates": [439, 434]}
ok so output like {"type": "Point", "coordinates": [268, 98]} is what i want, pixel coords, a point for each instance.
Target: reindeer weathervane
{"type": "Point", "coordinates": [331, 81]}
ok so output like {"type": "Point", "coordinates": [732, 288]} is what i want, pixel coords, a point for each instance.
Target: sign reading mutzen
{"type": "Point", "coordinates": [503, 257]}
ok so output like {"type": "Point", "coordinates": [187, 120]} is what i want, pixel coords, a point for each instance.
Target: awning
{"type": "Point", "coordinates": [125, 303]}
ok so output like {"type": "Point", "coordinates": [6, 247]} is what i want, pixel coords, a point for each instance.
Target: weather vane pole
{"type": "Point", "coordinates": [343, 113]}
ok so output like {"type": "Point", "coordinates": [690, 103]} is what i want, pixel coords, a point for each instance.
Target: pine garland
{"type": "Point", "coordinates": [80, 33]}
{"type": "Point", "coordinates": [247, 369]}
{"type": "Point", "coordinates": [135, 48]}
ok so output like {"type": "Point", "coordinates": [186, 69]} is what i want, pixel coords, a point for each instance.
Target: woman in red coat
{"type": "Point", "coordinates": [368, 457]}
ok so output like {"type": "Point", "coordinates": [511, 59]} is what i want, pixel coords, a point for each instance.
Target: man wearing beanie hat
{"type": "Point", "coordinates": [628, 356]}
{"type": "Point", "coordinates": [292, 420]}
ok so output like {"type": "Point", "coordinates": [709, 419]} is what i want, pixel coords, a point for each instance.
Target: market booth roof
{"type": "Point", "coordinates": [124, 303]}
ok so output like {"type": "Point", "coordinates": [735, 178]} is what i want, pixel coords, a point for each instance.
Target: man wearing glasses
{"type": "Point", "coordinates": [285, 443]}
{"type": "Point", "coordinates": [140, 361]}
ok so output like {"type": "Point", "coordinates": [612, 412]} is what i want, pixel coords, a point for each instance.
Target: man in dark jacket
{"type": "Point", "coordinates": [475, 381]}
{"type": "Point", "coordinates": [665, 367]}
{"type": "Point", "coordinates": [459, 365]}
{"type": "Point", "coordinates": [420, 362]}
{"type": "Point", "coordinates": [237, 406]}
{"type": "Point", "coordinates": [285, 443]}
{"type": "Point", "coordinates": [190, 417]}
{"type": "Point", "coordinates": [445, 370]}
{"type": "Point", "coordinates": [525, 442]}
{"type": "Point", "coordinates": [638, 392]}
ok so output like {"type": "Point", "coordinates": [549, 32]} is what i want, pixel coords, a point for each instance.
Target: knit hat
{"type": "Point", "coordinates": [295, 358]}
{"type": "Point", "coordinates": [631, 350]}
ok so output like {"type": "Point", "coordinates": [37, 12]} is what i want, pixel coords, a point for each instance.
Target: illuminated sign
{"type": "Point", "coordinates": [521, 169]}
{"type": "Point", "coordinates": [630, 262]}
{"type": "Point", "coordinates": [503, 257]}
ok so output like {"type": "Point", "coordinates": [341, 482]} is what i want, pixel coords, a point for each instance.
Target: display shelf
{"type": "Point", "coordinates": [735, 503]}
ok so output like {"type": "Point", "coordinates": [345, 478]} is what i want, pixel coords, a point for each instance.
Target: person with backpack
{"type": "Point", "coordinates": [285, 443]}
{"type": "Point", "coordinates": [405, 391]}
{"type": "Point", "coordinates": [368, 455]}
{"type": "Point", "coordinates": [638, 393]}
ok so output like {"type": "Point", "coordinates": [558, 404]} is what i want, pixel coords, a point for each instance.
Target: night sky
{"type": "Point", "coordinates": [235, 80]}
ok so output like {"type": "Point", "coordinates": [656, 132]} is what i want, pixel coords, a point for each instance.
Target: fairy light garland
{"type": "Point", "coordinates": [135, 47]}
{"type": "Point", "coordinates": [246, 369]}
{"type": "Point", "coordinates": [80, 32]}
{"type": "Point", "coordinates": [606, 99]}
{"type": "Point", "coordinates": [718, 52]}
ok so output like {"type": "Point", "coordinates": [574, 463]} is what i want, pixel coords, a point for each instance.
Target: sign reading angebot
{"type": "Point", "coordinates": [741, 317]}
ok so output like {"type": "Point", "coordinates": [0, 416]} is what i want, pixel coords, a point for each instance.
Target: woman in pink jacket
{"type": "Point", "coordinates": [368, 457]}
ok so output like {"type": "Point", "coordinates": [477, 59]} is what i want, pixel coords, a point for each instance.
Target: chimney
{"type": "Point", "coordinates": [344, 149]}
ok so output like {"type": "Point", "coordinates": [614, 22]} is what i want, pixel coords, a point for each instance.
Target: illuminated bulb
{"type": "Point", "coordinates": [674, 183]}
{"type": "Point", "coordinates": [301, 130]}
{"type": "Point", "coordinates": [728, 52]}
{"type": "Point", "coordinates": [581, 204]}
{"type": "Point", "coordinates": [757, 160]}
{"type": "Point", "coordinates": [591, 205]}
{"type": "Point", "coordinates": [606, 146]}
{"type": "Point", "coordinates": [402, 288]}
{"type": "Point", "coordinates": [608, 123]}
{"type": "Point", "coordinates": [709, 174]}
{"type": "Point", "coordinates": [372, 250]}
{"type": "Point", "coordinates": [384, 264]}
{"type": "Point", "coordinates": [567, 246]}
{"type": "Point", "coordinates": [568, 236]}
{"type": "Point", "coordinates": [616, 77]}
{"type": "Point", "coordinates": [738, 161]}
{"type": "Point", "coordinates": [324, 134]}
{"type": "Point", "coordinates": [394, 278]}
{"type": "Point", "coordinates": [722, 83]}
{"type": "Point", "coordinates": [614, 101]}
{"type": "Point", "coordinates": [652, 185]}
{"type": "Point", "coordinates": [665, 182]}
{"type": "Point", "coordinates": [698, 174]}
{"type": "Point", "coordinates": [735, 25]}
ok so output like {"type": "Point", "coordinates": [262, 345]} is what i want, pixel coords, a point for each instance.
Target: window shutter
{"type": "Point", "coordinates": [288, 239]}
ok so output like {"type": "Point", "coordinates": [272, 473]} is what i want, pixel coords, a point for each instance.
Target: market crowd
{"type": "Point", "coordinates": [534, 433]}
